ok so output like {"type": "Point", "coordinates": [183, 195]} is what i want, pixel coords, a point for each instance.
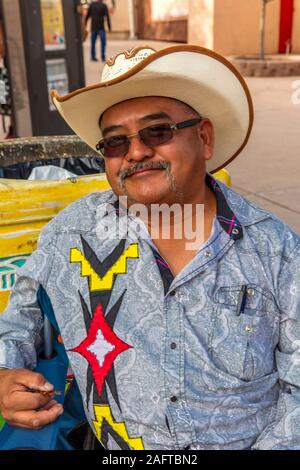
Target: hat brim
{"type": "Point", "coordinates": [209, 84]}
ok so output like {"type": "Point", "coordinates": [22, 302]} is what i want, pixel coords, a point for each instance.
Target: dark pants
{"type": "Point", "coordinates": [94, 36]}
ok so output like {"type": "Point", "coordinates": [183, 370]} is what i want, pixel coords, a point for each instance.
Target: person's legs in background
{"type": "Point", "coordinates": [93, 44]}
{"type": "Point", "coordinates": [103, 44]}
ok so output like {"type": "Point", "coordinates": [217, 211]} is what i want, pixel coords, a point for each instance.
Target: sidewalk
{"type": "Point", "coordinates": [268, 170]}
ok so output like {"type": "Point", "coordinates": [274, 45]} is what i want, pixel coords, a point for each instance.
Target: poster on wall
{"type": "Point", "coordinates": [169, 10]}
{"type": "Point", "coordinates": [57, 78]}
{"type": "Point", "coordinates": [53, 25]}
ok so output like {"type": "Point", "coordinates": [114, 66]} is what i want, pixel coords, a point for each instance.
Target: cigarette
{"type": "Point", "coordinates": [51, 393]}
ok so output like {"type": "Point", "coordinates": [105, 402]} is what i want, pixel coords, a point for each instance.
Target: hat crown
{"type": "Point", "coordinates": [124, 61]}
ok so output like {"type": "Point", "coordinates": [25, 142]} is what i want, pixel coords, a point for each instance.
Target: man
{"type": "Point", "coordinates": [176, 342]}
{"type": "Point", "coordinates": [98, 11]}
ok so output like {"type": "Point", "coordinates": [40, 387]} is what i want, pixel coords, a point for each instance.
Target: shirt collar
{"type": "Point", "coordinates": [226, 217]}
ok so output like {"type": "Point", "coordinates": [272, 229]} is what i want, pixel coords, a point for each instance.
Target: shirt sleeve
{"type": "Point", "coordinates": [21, 323]}
{"type": "Point", "coordinates": [283, 431]}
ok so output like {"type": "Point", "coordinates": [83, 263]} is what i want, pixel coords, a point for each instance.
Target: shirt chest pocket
{"type": "Point", "coordinates": [243, 343]}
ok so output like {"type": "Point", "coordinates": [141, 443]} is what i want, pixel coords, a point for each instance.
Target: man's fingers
{"type": "Point", "coordinates": [23, 401]}
{"type": "Point", "coordinates": [49, 405]}
{"type": "Point", "coordinates": [33, 380]}
{"type": "Point", "coordinates": [22, 408]}
{"type": "Point", "coordinates": [35, 419]}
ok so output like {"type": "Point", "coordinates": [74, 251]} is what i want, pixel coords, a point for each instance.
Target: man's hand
{"type": "Point", "coordinates": [22, 408]}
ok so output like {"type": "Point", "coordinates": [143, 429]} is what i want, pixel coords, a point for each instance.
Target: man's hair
{"type": "Point", "coordinates": [187, 108]}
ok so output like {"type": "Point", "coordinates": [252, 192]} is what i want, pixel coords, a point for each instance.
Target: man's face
{"type": "Point", "coordinates": [168, 173]}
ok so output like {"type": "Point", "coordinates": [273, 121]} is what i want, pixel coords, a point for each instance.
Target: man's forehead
{"type": "Point", "coordinates": [143, 107]}
{"type": "Point", "coordinates": [142, 101]}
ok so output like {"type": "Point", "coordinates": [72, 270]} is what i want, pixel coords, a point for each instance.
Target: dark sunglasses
{"type": "Point", "coordinates": [151, 136]}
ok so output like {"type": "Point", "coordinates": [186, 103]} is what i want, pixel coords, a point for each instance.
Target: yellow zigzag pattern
{"type": "Point", "coordinates": [103, 412]}
{"type": "Point", "coordinates": [103, 283]}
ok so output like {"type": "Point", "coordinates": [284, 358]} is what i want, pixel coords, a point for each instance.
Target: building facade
{"type": "Point", "coordinates": [164, 20]}
{"type": "Point", "coordinates": [228, 26]}
{"type": "Point", "coordinates": [233, 26]}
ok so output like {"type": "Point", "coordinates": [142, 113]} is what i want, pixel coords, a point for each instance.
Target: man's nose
{"type": "Point", "coordinates": [138, 151]}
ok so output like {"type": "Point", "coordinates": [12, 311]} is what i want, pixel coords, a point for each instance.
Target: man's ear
{"type": "Point", "coordinates": [207, 135]}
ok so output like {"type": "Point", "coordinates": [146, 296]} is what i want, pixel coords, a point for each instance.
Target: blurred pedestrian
{"type": "Point", "coordinates": [98, 11]}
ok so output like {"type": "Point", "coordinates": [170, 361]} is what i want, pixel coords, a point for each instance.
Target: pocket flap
{"type": "Point", "coordinates": [257, 298]}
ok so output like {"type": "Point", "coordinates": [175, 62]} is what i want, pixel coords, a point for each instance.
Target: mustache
{"type": "Point", "coordinates": [160, 165]}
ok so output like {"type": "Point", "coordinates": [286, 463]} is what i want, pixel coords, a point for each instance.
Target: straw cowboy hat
{"type": "Point", "coordinates": [197, 76]}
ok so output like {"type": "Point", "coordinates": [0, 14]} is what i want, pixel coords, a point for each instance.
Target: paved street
{"type": "Point", "coordinates": [268, 170]}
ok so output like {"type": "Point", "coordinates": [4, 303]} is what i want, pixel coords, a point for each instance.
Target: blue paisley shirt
{"type": "Point", "coordinates": [166, 362]}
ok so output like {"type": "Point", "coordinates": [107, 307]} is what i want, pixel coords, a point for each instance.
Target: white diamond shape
{"type": "Point", "coordinates": [100, 347]}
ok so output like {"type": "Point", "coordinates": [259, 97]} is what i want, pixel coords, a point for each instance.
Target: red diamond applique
{"type": "Point", "coordinates": [100, 348]}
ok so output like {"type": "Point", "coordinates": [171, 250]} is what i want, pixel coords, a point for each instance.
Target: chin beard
{"type": "Point", "coordinates": [172, 182]}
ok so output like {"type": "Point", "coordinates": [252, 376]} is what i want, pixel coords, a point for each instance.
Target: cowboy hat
{"type": "Point", "coordinates": [197, 76]}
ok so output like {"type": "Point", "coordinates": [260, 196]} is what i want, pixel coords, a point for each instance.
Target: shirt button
{"type": "Point", "coordinates": [207, 254]}
{"type": "Point", "coordinates": [235, 231]}
{"type": "Point", "coordinates": [248, 328]}
{"type": "Point", "coordinates": [173, 399]}
{"type": "Point", "coordinates": [172, 293]}
{"type": "Point", "coordinates": [250, 291]}
{"type": "Point", "coordinates": [173, 345]}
